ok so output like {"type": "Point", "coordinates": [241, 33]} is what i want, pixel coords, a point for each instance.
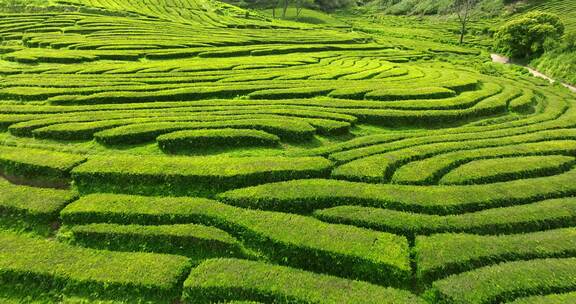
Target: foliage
{"type": "Point", "coordinates": [254, 280]}
{"type": "Point", "coordinates": [524, 36]}
{"type": "Point", "coordinates": [536, 216]}
{"type": "Point", "coordinates": [288, 239]}
{"type": "Point", "coordinates": [190, 175]}
{"type": "Point", "coordinates": [324, 155]}
{"type": "Point", "coordinates": [51, 266]}
{"type": "Point", "coordinates": [507, 281]}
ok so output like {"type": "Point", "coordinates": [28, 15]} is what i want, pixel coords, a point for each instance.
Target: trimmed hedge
{"type": "Point", "coordinates": [440, 255]}
{"type": "Point", "coordinates": [38, 167]}
{"type": "Point", "coordinates": [302, 196]}
{"type": "Point", "coordinates": [432, 169]}
{"type": "Point", "coordinates": [219, 280]}
{"type": "Point", "coordinates": [507, 281]}
{"type": "Point", "coordinates": [201, 139]}
{"type": "Point", "coordinates": [134, 134]}
{"type": "Point", "coordinates": [408, 94]}
{"type": "Point", "coordinates": [329, 127]}
{"type": "Point", "coordinates": [192, 93]}
{"type": "Point", "coordinates": [498, 170]}
{"type": "Point", "coordinates": [562, 298]}
{"type": "Point", "coordinates": [494, 105]}
{"type": "Point", "coordinates": [481, 137]}
{"type": "Point", "coordinates": [82, 126]}
{"type": "Point", "coordinates": [382, 167]}
{"type": "Point", "coordinates": [190, 175]}
{"type": "Point", "coordinates": [524, 104]}
{"type": "Point", "coordinates": [290, 93]}
{"type": "Point", "coordinates": [516, 219]}
{"type": "Point", "coordinates": [32, 204]}
{"type": "Point", "coordinates": [288, 239]}
{"type": "Point", "coordinates": [194, 241]}
{"type": "Point", "coordinates": [52, 266]}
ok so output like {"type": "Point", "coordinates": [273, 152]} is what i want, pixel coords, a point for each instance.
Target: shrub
{"type": "Point", "coordinates": [51, 266]}
{"type": "Point", "coordinates": [548, 299]}
{"type": "Point", "coordinates": [305, 92]}
{"type": "Point", "coordinates": [229, 279]}
{"type": "Point", "coordinates": [507, 281]}
{"type": "Point", "coordinates": [307, 195]}
{"type": "Point", "coordinates": [138, 133]}
{"type": "Point", "coordinates": [524, 36]}
{"type": "Point", "coordinates": [288, 239]}
{"type": "Point", "coordinates": [32, 204]}
{"type": "Point", "coordinates": [384, 166]}
{"type": "Point", "coordinates": [441, 255]}
{"type": "Point", "coordinates": [38, 167]}
{"type": "Point", "coordinates": [497, 170]}
{"type": "Point", "coordinates": [515, 219]}
{"type": "Point", "coordinates": [431, 170]}
{"type": "Point", "coordinates": [414, 93]}
{"type": "Point", "coordinates": [194, 241]}
{"type": "Point", "coordinates": [190, 175]}
{"type": "Point", "coordinates": [201, 139]}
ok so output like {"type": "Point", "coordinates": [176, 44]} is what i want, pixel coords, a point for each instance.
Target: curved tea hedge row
{"type": "Point", "coordinates": [51, 266]}
{"type": "Point", "coordinates": [536, 216]}
{"type": "Point", "coordinates": [190, 176]}
{"type": "Point", "coordinates": [194, 241]}
{"type": "Point", "coordinates": [440, 255]}
{"type": "Point", "coordinates": [307, 195]}
{"type": "Point", "coordinates": [224, 279]}
{"type": "Point", "coordinates": [507, 281]}
{"type": "Point", "coordinates": [493, 170]}
{"type": "Point", "coordinates": [32, 205]}
{"type": "Point", "coordinates": [362, 163]}
{"type": "Point", "coordinates": [38, 167]}
{"type": "Point", "coordinates": [287, 239]}
{"type": "Point", "coordinates": [198, 139]}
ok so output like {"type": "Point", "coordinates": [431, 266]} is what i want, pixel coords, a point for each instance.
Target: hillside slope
{"type": "Point", "coordinates": [180, 151]}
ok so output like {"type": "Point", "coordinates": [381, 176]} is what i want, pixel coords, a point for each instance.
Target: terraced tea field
{"type": "Point", "coordinates": [190, 152]}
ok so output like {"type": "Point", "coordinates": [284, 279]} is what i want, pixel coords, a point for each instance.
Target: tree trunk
{"type": "Point", "coordinates": [285, 10]}
{"type": "Point", "coordinates": [462, 33]}
{"type": "Point", "coordinates": [298, 8]}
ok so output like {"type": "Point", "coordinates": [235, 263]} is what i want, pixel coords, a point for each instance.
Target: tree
{"type": "Point", "coordinates": [299, 7]}
{"type": "Point", "coordinates": [329, 5]}
{"type": "Point", "coordinates": [285, 7]}
{"type": "Point", "coordinates": [525, 36]}
{"type": "Point", "coordinates": [464, 9]}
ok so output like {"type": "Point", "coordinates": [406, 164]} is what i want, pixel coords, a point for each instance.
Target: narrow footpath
{"type": "Point", "coordinates": [505, 60]}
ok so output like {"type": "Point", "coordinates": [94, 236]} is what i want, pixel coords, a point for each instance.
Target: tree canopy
{"type": "Point", "coordinates": [525, 36]}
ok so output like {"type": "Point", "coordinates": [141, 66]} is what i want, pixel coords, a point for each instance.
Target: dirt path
{"type": "Point", "coordinates": [505, 60]}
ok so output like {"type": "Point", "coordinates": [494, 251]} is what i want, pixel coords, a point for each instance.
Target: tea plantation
{"type": "Point", "coordinates": [190, 151]}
